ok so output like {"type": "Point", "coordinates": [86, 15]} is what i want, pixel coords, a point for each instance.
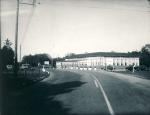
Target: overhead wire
{"type": "Point", "coordinates": [28, 24]}
{"type": "Point", "coordinates": [26, 28]}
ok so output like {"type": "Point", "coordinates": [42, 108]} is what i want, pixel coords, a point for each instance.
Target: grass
{"type": "Point", "coordinates": [24, 78]}
{"type": "Point", "coordinates": [140, 74]}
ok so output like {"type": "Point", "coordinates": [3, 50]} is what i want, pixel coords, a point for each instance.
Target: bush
{"type": "Point", "coordinates": [110, 67]}
{"type": "Point", "coordinates": [137, 68]}
{"type": "Point", "coordinates": [130, 68]}
{"type": "Point", "coordinates": [141, 68]}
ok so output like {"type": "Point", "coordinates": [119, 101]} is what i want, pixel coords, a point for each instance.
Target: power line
{"type": "Point", "coordinates": [26, 29]}
{"type": "Point", "coordinates": [16, 37]}
{"type": "Point", "coordinates": [131, 9]}
{"type": "Point", "coordinates": [27, 26]}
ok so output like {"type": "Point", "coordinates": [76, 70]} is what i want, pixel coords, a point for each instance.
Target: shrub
{"type": "Point", "coordinates": [141, 68]}
{"type": "Point", "coordinates": [130, 68]}
{"type": "Point", "coordinates": [110, 67]}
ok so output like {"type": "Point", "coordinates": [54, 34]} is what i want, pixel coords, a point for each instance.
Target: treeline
{"type": "Point", "coordinates": [7, 55]}
{"type": "Point", "coordinates": [34, 60]}
{"type": "Point", "coordinates": [144, 55]}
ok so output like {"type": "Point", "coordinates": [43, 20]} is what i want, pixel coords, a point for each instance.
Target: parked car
{"type": "Point", "coordinates": [24, 66]}
{"type": "Point", "coordinates": [9, 67]}
{"type": "Point", "coordinates": [43, 69]}
{"type": "Point", "coordinates": [109, 67]}
{"type": "Point", "coordinates": [46, 66]}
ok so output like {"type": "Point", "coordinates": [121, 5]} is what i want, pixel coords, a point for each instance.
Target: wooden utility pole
{"type": "Point", "coordinates": [1, 78]}
{"type": "Point", "coordinates": [20, 52]}
{"type": "Point", "coordinates": [0, 38]}
{"type": "Point", "coordinates": [16, 35]}
{"type": "Point", "coordinates": [34, 2]}
{"type": "Point", "coordinates": [16, 40]}
{"type": "Point", "coordinates": [0, 26]}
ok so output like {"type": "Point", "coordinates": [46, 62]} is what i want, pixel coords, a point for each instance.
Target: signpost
{"type": "Point", "coordinates": [133, 68]}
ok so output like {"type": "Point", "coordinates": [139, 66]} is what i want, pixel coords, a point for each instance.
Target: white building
{"type": "Point", "coordinates": [121, 60]}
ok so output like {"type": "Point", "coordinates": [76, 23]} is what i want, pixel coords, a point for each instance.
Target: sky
{"type": "Point", "coordinates": [59, 27]}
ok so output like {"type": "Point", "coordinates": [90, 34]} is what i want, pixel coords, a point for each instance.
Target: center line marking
{"type": "Point", "coordinates": [105, 96]}
{"type": "Point", "coordinates": [96, 83]}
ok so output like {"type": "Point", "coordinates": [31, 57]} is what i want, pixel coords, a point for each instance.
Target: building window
{"type": "Point", "coordinates": [114, 63]}
{"type": "Point", "coordinates": [125, 63]}
{"type": "Point", "coordinates": [121, 64]}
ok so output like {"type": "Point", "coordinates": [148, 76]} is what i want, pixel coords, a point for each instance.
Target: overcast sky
{"type": "Point", "coordinates": [58, 27]}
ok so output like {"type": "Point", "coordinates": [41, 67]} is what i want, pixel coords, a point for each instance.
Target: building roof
{"type": "Point", "coordinates": [103, 54]}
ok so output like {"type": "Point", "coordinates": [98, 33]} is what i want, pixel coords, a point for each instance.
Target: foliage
{"type": "Point", "coordinates": [7, 54]}
{"type": "Point", "coordinates": [141, 68]}
{"type": "Point", "coordinates": [34, 60]}
{"type": "Point", "coordinates": [130, 68]}
{"type": "Point", "coordinates": [137, 68]}
{"type": "Point", "coordinates": [70, 55]}
{"type": "Point", "coordinates": [145, 57]}
{"type": "Point", "coordinates": [110, 67]}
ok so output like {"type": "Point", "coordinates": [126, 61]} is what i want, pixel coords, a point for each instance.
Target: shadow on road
{"type": "Point", "coordinates": [39, 100]}
{"type": "Point", "coordinates": [133, 113]}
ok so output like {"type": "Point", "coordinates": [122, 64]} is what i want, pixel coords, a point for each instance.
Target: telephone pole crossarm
{"type": "Point", "coordinates": [26, 3]}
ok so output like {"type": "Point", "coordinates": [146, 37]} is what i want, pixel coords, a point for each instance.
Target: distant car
{"type": "Point", "coordinates": [24, 66]}
{"type": "Point", "coordinates": [44, 70]}
{"type": "Point", "coordinates": [46, 66]}
{"type": "Point", "coordinates": [9, 67]}
{"type": "Point", "coordinates": [90, 68]}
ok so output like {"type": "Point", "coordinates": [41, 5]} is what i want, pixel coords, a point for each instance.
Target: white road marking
{"type": "Point", "coordinates": [105, 97]}
{"type": "Point", "coordinates": [96, 83]}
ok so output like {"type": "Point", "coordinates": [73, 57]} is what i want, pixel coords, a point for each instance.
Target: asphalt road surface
{"type": "Point", "coordinates": [76, 92]}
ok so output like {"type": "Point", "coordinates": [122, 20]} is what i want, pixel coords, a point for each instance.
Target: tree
{"type": "Point", "coordinates": [7, 54]}
{"type": "Point", "coordinates": [70, 55]}
{"type": "Point", "coordinates": [33, 60]}
{"type": "Point", "coordinates": [145, 56]}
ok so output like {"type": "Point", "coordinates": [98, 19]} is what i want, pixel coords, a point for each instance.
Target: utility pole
{"type": "Point", "coordinates": [20, 52]}
{"type": "Point", "coordinates": [1, 78]}
{"type": "Point", "coordinates": [34, 3]}
{"type": "Point", "coordinates": [16, 40]}
{"type": "Point", "coordinates": [16, 35]}
{"type": "Point", "coordinates": [52, 63]}
{"type": "Point", "coordinates": [0, 26]}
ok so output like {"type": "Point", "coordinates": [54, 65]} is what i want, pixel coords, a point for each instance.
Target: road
{"type": "Point", "coordinates": [76, 92]}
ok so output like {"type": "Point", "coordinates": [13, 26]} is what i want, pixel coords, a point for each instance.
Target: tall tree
{"type": "Point", "coordinates": [7, 54]}
{"type": "Point", "coordinates": [34, 60]}
{"type": "Point", "coordinates": [145, 56]}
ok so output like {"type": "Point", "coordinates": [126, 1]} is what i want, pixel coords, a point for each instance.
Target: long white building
{"type": "Point", "coordinates": [99, 62]}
